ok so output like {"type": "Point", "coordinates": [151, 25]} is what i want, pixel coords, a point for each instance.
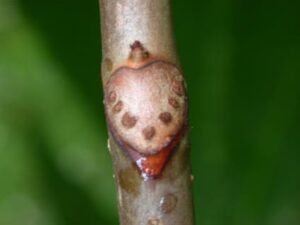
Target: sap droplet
{"type": "Point", "coordinates": [152, 165]}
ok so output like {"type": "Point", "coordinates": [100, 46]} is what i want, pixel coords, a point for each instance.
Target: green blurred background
{"type": "Point", "coordinates": [242, 65]}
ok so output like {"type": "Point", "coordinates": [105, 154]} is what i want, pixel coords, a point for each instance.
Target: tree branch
{"type": "Point", "coordinates": [143, 85]}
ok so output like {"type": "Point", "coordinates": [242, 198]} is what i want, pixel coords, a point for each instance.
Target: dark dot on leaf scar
{"type": "Point", "coordinates": [112, 97]}
{"type": "Point", "coordinates": [149, 132]}
{"type": "Point", "coordinates": [128, 120]}
{"type": "Point", "coordinates": [177, 87]}
{"type": "Point", "coordinates": [173, 102]}
{"type": "Point", "coordinates": [165, 117]}
{"type": "Point", "coordinates": [117, 107]}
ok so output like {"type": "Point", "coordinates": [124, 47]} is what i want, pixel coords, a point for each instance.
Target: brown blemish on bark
{"type": "Point", "coordinates": [128, 120]}
{"type": "Point", "coordinates": [149, 132]}
{"type": "Point", "coordinates": [165, 117]}
{"type": "Point", "coordinates": [129, 180]}
{"type": "Point", "coordinates": [168, 203]}
{"type": "Point", "coordinates": [118, 107]}
{"type": "Point", "coordinates": [108, 64]}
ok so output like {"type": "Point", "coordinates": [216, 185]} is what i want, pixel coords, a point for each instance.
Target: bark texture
{"type": "Point", "coordinates": [165, 199]}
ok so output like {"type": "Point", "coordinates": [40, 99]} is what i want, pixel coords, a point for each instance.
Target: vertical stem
{"type": "Point", "coordinates": [166, 200]}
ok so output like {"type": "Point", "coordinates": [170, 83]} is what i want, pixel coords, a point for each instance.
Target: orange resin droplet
{"type": "Point", "coordinates": [152, 165]}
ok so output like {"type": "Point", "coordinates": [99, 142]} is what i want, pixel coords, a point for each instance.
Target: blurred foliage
{"type": "Point", "coordinates": [241, 60]}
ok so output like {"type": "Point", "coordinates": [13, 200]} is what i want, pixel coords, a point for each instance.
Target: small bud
{"type": "Point", "coordinates": [138, 53]}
